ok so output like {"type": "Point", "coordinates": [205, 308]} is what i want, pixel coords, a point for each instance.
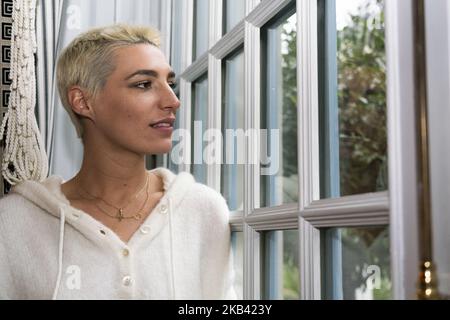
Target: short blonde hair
{"type": "Point", "coordinates": [88, 60]}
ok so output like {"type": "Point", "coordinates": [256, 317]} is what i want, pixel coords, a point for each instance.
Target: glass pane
{"type": "Point", "coordinates": [237, 243]}
{"type": "Point", "coordinates": [279, 174]}
{"type": "Point", "coordinates": [199, 120]}
{"type": "Point", "coordinates": [175, 57]}
{"type": "Point", "coordinates": [159, 160]}
{"type": "Point", "coordinates": [154, 161]}
{"type": "Point", "coordinates": [356, 262]}
{"type": "Point", "coordinates": [280, 268]}
{"type": "Point", "coordinates": [174, 156]}
{"type": "Point", "coordinates": [232, 179]}
{"type": "Point", "coordinates": [234, 12]}
{"type": "Point", "coordinates": [201, 28]}
{"type": "Point", "coordinates": [353, 97]}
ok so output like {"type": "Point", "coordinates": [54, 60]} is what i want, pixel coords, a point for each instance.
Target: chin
{"type": "Point", "coordinates": [160, 148]}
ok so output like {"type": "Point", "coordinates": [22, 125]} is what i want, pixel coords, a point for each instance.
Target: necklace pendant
{"type": "Point", "coordinates": [120, 215]}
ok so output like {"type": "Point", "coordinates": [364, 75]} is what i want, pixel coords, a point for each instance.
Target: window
{"type": "Point", "coordinates": [232, 175]}
{"type": "Point", "coordinates": [279, 111]}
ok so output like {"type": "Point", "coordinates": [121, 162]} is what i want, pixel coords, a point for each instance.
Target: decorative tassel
{"type": "Point", "coordinates": [24, 155]}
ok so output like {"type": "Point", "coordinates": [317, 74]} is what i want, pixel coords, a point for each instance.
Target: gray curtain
{"type": "Point", "coordinates": [48, 19]}
{"type": "Point", "coordinates": [58, 23]}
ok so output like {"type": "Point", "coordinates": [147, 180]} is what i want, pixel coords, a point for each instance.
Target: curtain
{"type": "Point", "coordinates": [59, 22]}
{"type": "Point", "coordinates": [48, 19]}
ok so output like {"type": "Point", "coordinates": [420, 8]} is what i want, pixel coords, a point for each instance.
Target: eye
{"type": "Point", "coordinates": [144, 85]}
{"type": "Point", "coordinates": [172, 84]}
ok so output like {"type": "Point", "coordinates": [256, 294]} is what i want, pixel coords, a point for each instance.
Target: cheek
{"type": "Point", "coordinates": [128, 113]}
{"type": "Point", "coordinates": [127, 109]}
{"type": "Point", "coordinates": [135, 115]}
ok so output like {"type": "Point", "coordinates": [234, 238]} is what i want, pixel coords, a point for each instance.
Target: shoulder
{"type": "Point", "coordinates": [207, 201]}
{"type": "Point", "coordinates": [203, 195]}
{"type": "Point", "coordinates": [16, 211]}
{"type": "Point", "coordinates": [195, 199]}
{"type": "Point", "coordinates": [14, 203]}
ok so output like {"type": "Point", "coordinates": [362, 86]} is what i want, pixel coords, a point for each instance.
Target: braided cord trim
{"type": "Point", "coordinates": [24, 155]}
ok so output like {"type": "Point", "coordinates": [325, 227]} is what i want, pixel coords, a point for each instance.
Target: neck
{"type": "Point", "coordinates": [111, 173]}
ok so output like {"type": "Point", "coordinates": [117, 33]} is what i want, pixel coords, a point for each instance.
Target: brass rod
{"type": "Point", "coordinates": [427, 286]}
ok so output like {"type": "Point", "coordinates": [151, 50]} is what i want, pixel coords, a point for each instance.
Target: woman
{"type": "Point", "coordinates": [116, 230]}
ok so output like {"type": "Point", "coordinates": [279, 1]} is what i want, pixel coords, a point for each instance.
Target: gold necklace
{"type": "Point", "coordinates": [119, 215]}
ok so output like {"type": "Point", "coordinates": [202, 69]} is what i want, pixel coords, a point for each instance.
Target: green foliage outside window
{"type": "Point", "coordinates": [289, 130]}
{"type": "Point", "coordinates": [362, 101]}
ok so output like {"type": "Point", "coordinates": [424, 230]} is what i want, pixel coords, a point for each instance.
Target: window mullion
{"type": "Point", "coordinates": [214, 114]}
{"type": "Point", "coordinates": [215, 22]}
{"type": "Point", "coordinates": [265, 11]}
{"type": "Point", "coordinates": [307, 79]}
{"type": "Point", "coordinates": [166, 25]}
{"type": "Point", "coordinates": [196, 69]}
{"type": "Point", "coordinates": [188, 37]}
{"type": "Point", "coordinates": [308, 146]}
{"type": "Point", "coordinates": [251, 168]}
{"type": "Point", "coordinates": [184, 115]}
{"type": "Point", "coordinates": [185, 122]}
{"type": "Point", "coordinates": [229, 42]}
{"type": "Point", "coordinates": [214, 85]}
{"type": "Point", "coordinates": [250, 5]}
{"type": "Point", "coordinates": [252, 264]}
{"type": "Point", "coordinates": [252, 83]}
{"type": "Point", "coordinates": [357, 210]}
{"type": "Point", "coordinates": [309, 262]}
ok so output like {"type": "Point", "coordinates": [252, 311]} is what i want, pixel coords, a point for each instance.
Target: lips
{"type": "Point", "coordinates": [164, 123]}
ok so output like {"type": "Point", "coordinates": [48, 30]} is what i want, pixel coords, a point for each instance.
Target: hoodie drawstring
{"type": "Point", "coordinates": [60, 252]}
{"type": "Point", "coordinates": [172, 263]}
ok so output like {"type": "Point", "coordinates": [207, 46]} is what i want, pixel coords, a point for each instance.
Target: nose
{"type": "Point", "coordinates": [170, 100]}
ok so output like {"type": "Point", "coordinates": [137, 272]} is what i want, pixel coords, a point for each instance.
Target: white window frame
{"type": "Point", "coordinates": [437, 28]}
{"type": "Point", "coordinates": [402, 150]}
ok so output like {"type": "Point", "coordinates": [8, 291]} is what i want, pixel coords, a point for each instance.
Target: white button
{"type": "Point", "coordinates": [127, 281]}
{"type": "Point", "coordinates": [125, 252]}
{"type": "Point", "coordinates": [163, 209]}
{"type": "Point", "coordinates": [145, 229]}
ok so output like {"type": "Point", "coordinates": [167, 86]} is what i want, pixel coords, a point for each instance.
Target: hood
{"type": "Point", "coordinates": [48, 196]}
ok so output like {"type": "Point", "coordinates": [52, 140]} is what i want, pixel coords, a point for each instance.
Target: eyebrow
{"type": "Point", "coordinates": [150, 73]}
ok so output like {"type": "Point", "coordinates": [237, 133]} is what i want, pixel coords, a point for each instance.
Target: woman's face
{"type": "Point", "coordinates": [136, 95]}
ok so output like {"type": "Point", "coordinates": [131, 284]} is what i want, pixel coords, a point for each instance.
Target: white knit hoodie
{"type": "Point", "coordinates": [49, 249]}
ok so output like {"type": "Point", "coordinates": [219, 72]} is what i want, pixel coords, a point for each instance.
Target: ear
{"type": "Point", "coordinates": [80, 103]}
